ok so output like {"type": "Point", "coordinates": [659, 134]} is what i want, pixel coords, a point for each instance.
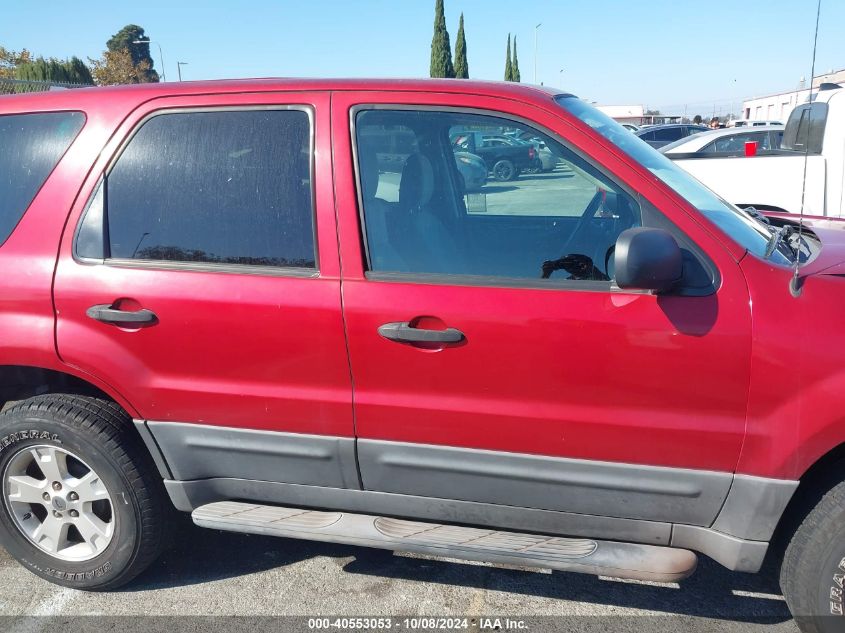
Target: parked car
{"type": "Point", "coordinates": [571, 379]}
{"type": "Point", "coordinates": [542, 160]}
{"type": "Point", "coordinates": [473, 170]}
{"type": "Point", "coordinates": [808, 169]}
{"type": "Point", "coordinates": [660, 135]}
{"type": "Point", "coordinates": [505, 157]}
{"type": "Point", "coordinates": [725, 142]}
{"type": "Point", "coordinates": [752, 123]}
{"type": "Point", "coordinates": [546, 160]}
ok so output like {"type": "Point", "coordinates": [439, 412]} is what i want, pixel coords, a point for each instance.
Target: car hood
{"type": "Point", "coordinates": [831, 259]}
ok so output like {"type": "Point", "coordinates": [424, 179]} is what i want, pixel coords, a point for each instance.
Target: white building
{"type": "Point", "coordinates": [777, 107]}
{"type": "Point", "coordinates": [624, 113]}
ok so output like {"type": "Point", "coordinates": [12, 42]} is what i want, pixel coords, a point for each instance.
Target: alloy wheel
{"type": "Point", "coordinates": [58, 503]}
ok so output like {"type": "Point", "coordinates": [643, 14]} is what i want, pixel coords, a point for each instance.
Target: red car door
{"type": "Point", "coordinates": [202, 283]}
{"type": "Point", "coordinates": [490, 363]}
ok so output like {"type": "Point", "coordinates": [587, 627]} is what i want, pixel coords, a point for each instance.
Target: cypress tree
{"type": "Point", "coordinates": [461, 63]}
{"type": "Point", "coordinates": [441, 50]}
{"type": "Point", "coordinates": [508, 66]}
{"type": "Point", "coordinates": [515, 76]}
{"type": "Point", "coordinates": [69, 71]}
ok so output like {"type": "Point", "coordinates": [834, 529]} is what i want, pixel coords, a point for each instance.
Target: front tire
{"type": "Point", "coordinates": [81, 504]}
{"type": "Point", "coordinates": [813, 572]}
{"type": "Point", "coordinates": [504, 170]}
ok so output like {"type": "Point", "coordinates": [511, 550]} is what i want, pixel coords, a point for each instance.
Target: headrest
{"type": "Point", "coordinates": [417, 184]}
{"type": "Point", "coordinates": [368, 167]}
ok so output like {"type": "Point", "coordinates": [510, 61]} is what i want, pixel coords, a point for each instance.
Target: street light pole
{"type": "Point", "coordinates": [179, 68]}
{"type": "Point", "coordinates": [560, 78]}
{"type": "Point", "coordinates": [536, 28]}
{"type": "Point", "coordinates": [160, 55]}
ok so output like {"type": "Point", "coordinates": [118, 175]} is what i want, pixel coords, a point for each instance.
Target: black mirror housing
{"type": "Point", "coordinates": [647, 259]}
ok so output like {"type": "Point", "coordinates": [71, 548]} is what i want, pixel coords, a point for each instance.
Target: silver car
{"type": "Point", "coordinates": [727, 142]}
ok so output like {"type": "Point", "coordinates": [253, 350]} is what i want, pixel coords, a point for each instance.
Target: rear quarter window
{"type": "Point", "coordinates": [31, 146]}
{"type": "Point", "coordinates": [805, 129]}
{"type": "Point", "coordinates": [227, 188]}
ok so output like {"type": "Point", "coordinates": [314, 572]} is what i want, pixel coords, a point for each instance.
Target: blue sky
{"type": "Point", "coordinates": [669, 54]}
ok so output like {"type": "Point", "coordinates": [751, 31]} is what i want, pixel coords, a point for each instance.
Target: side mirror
{"type": "Point", "coordinates": [647, 259]}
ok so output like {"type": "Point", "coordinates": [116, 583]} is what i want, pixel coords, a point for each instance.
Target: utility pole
{"type": "Point", "coordinates": [179, 68]}
{"type": "Point", "coordinates": [536, 29]}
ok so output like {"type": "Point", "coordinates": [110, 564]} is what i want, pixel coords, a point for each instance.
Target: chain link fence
{"type": "Point", "coordinates": [19, 86]}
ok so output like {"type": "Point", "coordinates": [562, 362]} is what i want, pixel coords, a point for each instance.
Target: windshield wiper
{"type": "Point", "coordinates": [754, 213]}
{"type": "Point", "coordinates": [780, 235]}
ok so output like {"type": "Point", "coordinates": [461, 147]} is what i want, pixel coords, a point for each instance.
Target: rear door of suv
{"type": "Point", "coordinates": [199, 278]}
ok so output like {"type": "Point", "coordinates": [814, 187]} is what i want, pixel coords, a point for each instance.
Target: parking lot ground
{"type": "Point", "coordinates": [556, 193]}
{"type": "Point", "coordinates": [211, 573]}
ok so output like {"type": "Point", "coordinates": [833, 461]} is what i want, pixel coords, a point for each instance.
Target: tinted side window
{"type": "Point", "coordinates": [735, 143]}
{"type": "Point", "coordinates": [669, 134]}
{"type": "Point", "coordinates": [227, 187]}
{"type": "Point", "coordinates": [805, 128]}
{"type": "Point", "coordinates": [448, 214]}
{"type": "Point", "coordinates": [31, 146]}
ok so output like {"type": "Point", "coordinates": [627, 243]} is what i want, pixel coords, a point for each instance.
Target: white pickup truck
{"type": "Point", "coordinates": [774, 180]}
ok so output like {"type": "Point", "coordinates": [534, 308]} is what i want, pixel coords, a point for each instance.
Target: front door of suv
{"type": "Point", "coordinates": [202, 284]}
{"type": "Point", "coordinates": [493, 358]}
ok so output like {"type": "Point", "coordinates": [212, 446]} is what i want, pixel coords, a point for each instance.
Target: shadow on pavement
{"type": "Point", "coordinates": [708, 593]}
{"type": "Point", "coordinates": [200, 556]}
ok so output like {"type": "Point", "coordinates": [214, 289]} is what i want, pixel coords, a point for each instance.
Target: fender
{"type": "Point", "coordinates": [796, 406]}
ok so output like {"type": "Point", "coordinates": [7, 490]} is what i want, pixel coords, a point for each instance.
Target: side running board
{"type": "Point", "coordinates": [603, 558]}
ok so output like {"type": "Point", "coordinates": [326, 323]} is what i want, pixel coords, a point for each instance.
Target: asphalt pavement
{"type": "Point", "coordinates": [208, 573]}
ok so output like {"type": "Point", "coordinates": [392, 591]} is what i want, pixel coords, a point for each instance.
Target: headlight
{"type": "Point", "coordinates": [465, 159]}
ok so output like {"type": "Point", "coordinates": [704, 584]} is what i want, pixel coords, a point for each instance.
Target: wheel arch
{"type": "Point", "coordinates": [816, 481]}
{"type": "Point", "coordinates": [21, 381]}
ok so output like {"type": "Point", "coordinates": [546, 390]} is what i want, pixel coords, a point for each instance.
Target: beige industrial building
{"type": "Point", "coordinates": [777, 107]}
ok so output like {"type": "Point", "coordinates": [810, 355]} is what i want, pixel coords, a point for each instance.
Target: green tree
{"type": "Point", "coordinates": [68, 71]}
{"type": "Point", "coordinates": [441, 50]}
{"type": "Point", "coordinates": [78, 72]}
{"type": "Point", "coordinates": [508, 65]}
{"type": "Point", "coordinates": [40, 69]}
{"type": "Point", "coordinates": [10, 60]}
{"type": "Point", "coordinates": [515, 76]}
{"type": "Point", "coordinates": [139, 53]}
{"type": "Point", "coordinates": [117, 68]}
{"type": "Point", "coordinates": [461, 63]}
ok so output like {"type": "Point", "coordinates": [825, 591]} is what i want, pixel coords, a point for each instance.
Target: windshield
{"type": "Point", "coordinates": [751, 233]}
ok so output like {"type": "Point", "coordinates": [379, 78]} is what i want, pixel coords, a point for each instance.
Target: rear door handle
{"type": "Point", "coordinates": [402, 332]}
{"type": "Point", "coordinates": [107, 314]}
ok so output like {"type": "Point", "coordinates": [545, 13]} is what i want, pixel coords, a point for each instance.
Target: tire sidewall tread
{"type": "Point", "coordinates": [101, 434]}
{"type": "Point", "coordinates": [814, 554]}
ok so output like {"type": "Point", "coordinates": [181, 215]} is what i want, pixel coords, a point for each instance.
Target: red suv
{"type": "Point", "coordinates": [273, 304]}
